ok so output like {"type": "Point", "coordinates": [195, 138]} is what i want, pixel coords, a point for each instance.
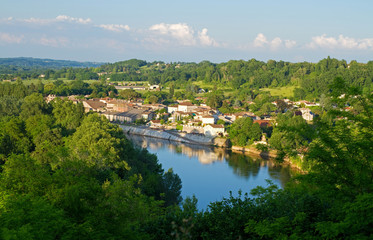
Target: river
{"type": "Point", "coordinates": [211, 173]}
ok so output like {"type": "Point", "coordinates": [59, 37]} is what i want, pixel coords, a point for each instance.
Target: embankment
{"type": "Point", "coordinates": [253, 150]}
{"type": "Point", "coordinates": [176, 136]}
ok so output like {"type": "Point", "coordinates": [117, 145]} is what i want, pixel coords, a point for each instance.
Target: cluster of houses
{"type": "Point", "coordinates": [193, 118]}
{"type": "Point", "coordinates": [301, 109]}
{"type": "Point", "coordinates": [198, 119]}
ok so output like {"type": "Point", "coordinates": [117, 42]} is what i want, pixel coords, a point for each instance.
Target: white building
{"type": "Point", "coordinates": [186, 107]}
{"type": "Point", "coordinates": [214, 130]}
{"type": "Point", "coordinates": [154, 124]}
{"type": "Point", "coordinates": [207, 119]}
{"type": "Point", "coordinates": [307, 114]}
{"type": "Point", "coordinates": [154, 87]}
{"type": "Point", "coordinates": [173, 108]}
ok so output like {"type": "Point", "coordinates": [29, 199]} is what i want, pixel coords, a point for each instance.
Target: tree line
{"type": "Point", "coordinates": [311, 80]}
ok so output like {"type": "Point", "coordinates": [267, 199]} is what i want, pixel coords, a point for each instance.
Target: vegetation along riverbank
{"type": "Point", "coordinates": [68, 172]}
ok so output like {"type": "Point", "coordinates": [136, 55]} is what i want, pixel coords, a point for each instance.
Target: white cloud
{"type": "Point", "coordinates": [290, 43]}
{"type": "Point", "coordinates": [205, 39]}
{"type": "Point", "coordinates": [45, 21]}
{"type": "Point", "coordinates": [64, 18]}
{"type": "Point", "coordinates": [115, 27]}
{"type": "Point", "coordinates": [10, 38]}
{"type": "Point", "coordinates": [261, 42]}
{"type": "Point", "coordinates": [276, 43]}
{"type": "Point", "coordinates": [180, 31]}
{"type": "Point", "coordinates": [180, 34]}
{"type": "Point", "coordinates": [6, 20]}
{"type": "Point", "coordinates": [40, 21]}
{"type": "Point", "coordinates": [341, 42]}
{"type": "Point", "coordinates": [53, 42]}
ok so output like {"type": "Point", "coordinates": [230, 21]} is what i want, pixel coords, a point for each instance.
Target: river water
{"type": "Point", "coordinates": [211, 173]}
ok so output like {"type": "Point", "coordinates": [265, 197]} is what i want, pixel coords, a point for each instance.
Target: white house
{"type": "Point", "coordinates": [129, 116]}
{"type": "Point", "coordinates": [172, 108]}
{"type": "Point", "coordinates": [186, 107]}
{"type": "Point", "coordinates": [93, 105]}
{"type": "Point", "coordinates": [214, 130]}
{"type": "Point", "coordinates": [207, 119]}
{"type": "Point", "coordinates": [155, 124]}
{"type": "Point", "coordinates": [307, 114]}
{"type": "Point", "coordinates": [153, 87]}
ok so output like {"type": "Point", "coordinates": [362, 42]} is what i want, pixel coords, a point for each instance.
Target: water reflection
{"type": "Point", "coordinates": [204, 154]}
{"type": "Point", "coordinates": [210, 173]}
{"type": "Point", "coordinates": [249, 166]}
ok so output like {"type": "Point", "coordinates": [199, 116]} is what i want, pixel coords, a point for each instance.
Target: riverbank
{"type": "Point", "coordinates": [294, 163]}
{"type": "Point", "coordinates": [198, 139]}
{"type": "Point", "coordinates": [253, 150]}
{"type": "Point", "coordinates": [176, 136]}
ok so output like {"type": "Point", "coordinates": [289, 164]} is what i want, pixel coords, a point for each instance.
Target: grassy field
{"type": "Point", "coordinates": [281, 91]}
{"type": "Point", "coordinates": [210, 86]}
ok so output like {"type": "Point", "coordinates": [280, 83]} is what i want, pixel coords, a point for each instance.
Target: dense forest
{"type": "Point", "coordinates": [310, 80]}
{"type": "Point", "coordinates": [66, 174]}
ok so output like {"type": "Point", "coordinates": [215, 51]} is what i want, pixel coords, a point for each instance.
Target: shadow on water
{"type": "Point", "coordinates": [249, 166]}
{"type": "Point", "coordinates": [243, 165]}
{"type": "Point", "coordinates": [209, 172]}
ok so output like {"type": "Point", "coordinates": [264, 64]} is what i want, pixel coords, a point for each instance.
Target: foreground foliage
{"type": "Point", "coordinates": [65, 175]}
{"type": "Point", "coordinates": [332, 201]}
{"type": "Point", "coordinates": [68, 175]}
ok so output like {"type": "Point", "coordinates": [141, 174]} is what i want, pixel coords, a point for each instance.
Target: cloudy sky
{"type": "Point", "coordinates": [179, 30]}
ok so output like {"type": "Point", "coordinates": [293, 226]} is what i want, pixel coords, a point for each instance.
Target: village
{"type": "Point", "coordinates": [182, 115]}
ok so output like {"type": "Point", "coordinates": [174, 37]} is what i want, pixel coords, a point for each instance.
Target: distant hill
{"type": "Point", "coordinates": [26, 62]}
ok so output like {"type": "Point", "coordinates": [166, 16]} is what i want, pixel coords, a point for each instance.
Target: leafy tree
{"type": "Point", "coordinates": [13, 137]}
{"type": "Point", "coordinates": [79, 87]}
{"type": "Point", "coordinates": [10, 106]}
{"type": "Point", "coordinates": [325, 102]}
{"type": "Point", "coordinates": [172, 188]}
{"type": "Point", "coordinates": [172, 91]}
{"type": "Point", "coordinates": [153, 99]}
{"type": "Point", "coordinates": [67, 114]}
{"type": "Point", "coordinates": [214, 100]}
{"type": "Point", "coordinates": [96, 142]}
{"type": "Point", "coordinates": [26, 217]}
{"type": "Point", "coordinates": [22, 175]}
{"type": "Point", "coordinates": [281, 105]}
{"type": "Point", "coordinates": [48, 145]}
{"type": "Point", "coordinates": [299, 93]}
{"type": "Point", "coordinates": [34, 105]}
{"type": "Point", "coordinates": [243, 132]}
{"type": "Point", "coordinates": [291, 134]}
{"type": "Point", "coordinates": [341, 149]}
{"type": "Point", "coordinates": [129, 94]}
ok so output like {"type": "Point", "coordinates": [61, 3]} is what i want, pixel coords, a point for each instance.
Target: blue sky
{"type": "Point", "coordinates": [214, 30]}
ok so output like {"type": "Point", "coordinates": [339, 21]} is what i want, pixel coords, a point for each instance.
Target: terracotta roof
{"type": "Point", "coordinates": [95, 104]}
{"type": "Point", "coordinates": [186, 104]}
{"type": "Point", "coordinates": [263, 123]}
{"type": "Point", "coordinates": [217, 125]}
